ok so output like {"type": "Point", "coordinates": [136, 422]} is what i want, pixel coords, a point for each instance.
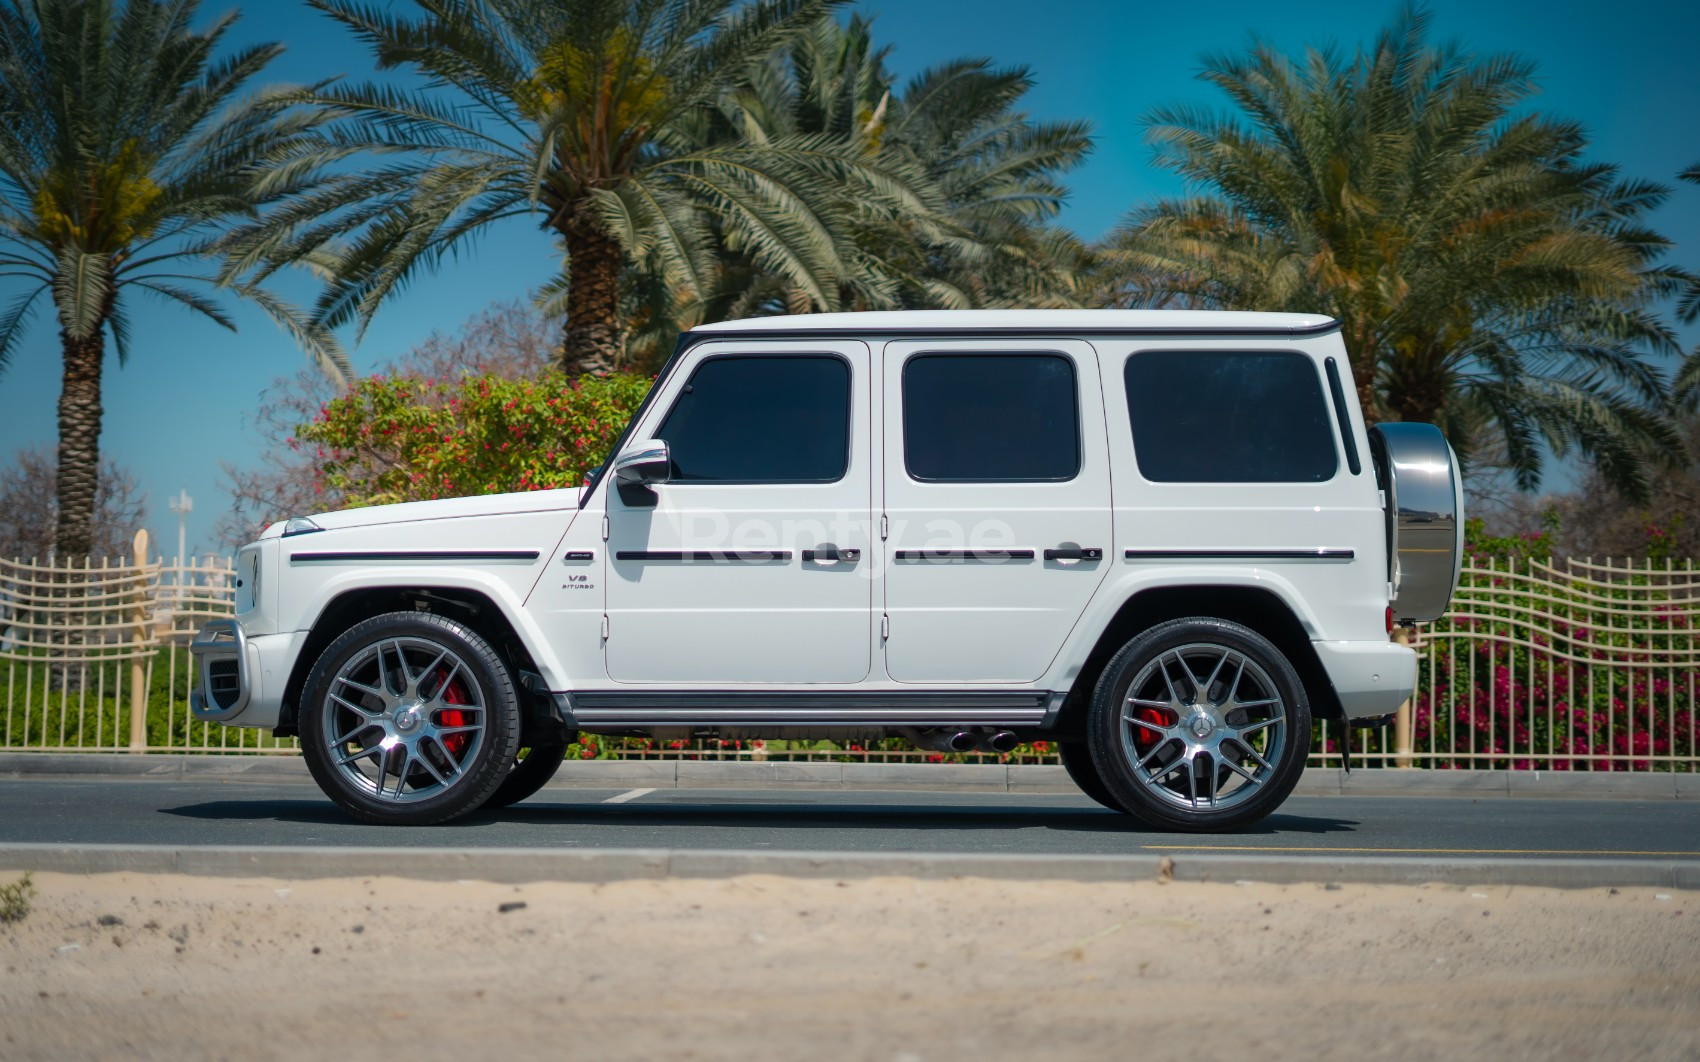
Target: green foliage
{"type": "Point", "coordinates": [1488, 277]}
{"type": "Point", "coordinates": [997, 172]}
{"type": "Point", "coordinates": [128, 155]}
{"type": "Point", "coordinates": [132, 154]}
{"type": "Point", "coordinates": [1662, 539]}
{"type": "Point", "coordinates": [15, 899]}
{"type": "Point", "coordinates": [588, 117]}
{"type": "Point", "coordinates": [1521, 546]}
{"type": "Point", "coordinates": [398, 438]}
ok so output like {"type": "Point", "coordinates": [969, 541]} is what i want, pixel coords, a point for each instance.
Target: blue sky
{"type": "Point", "coordinates": [181, 404]}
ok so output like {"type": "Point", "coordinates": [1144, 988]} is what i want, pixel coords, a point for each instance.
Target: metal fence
{"type": "Point", "coordinates": [1570, 665]}
{"type": "Point", "coordinates": [95, 657]}
{"type": "Point", "coordinates": [1555, 665]}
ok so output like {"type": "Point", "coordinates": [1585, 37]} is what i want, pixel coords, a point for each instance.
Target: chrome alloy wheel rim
{"type": "Point", "coordinates": [1203, 726]}
{"type": "Point", "coordinates": [403, 719]}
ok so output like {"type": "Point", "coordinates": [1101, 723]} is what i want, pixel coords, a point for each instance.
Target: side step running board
{"type": "Point", "coordinates": [640, 708]}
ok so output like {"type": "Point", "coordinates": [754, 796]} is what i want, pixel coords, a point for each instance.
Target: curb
{"type": "Point", "coordinates": [950, 777]}
{"type": "Point", "coordinates": [520, 865]}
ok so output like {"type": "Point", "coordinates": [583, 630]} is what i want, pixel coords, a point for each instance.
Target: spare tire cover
{"type": "Point", "coordinates": [1425, 506]}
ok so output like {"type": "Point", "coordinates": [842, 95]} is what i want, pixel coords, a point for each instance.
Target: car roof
{"type": "Point", "coordinates": [1059, 321]}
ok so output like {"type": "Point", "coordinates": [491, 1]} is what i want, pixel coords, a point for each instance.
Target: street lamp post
{"type": "Point", "coordinates": [182, 504]}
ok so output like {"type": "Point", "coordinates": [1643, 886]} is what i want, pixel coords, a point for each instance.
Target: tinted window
{"type": "Point", "coordinates": [1004, 417]}
{"type": "Point", "coordinates": [1229, 418]}
{"type": "Point", "coordinates": [762, 420]}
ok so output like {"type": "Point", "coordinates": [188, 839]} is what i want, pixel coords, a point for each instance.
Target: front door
{"type": "Point", "coordinates": [997, 493]}
{"type": "Point", "coordinates": [750, 564]}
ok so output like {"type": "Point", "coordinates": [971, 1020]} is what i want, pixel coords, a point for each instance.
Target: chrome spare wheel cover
{"type": "Point", "coordinates": [1203, 726]}
{"type": "Point", "coordinates": [403, 718]}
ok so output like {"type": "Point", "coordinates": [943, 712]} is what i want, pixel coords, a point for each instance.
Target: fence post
{"type": "Point", "coordinates": [1402, 721]}
{"type": "Point", "coordinates": [138, 635]}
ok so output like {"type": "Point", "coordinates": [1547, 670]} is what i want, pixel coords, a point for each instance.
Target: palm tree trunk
{"type": "Point", "coordinates": [79, 442]}
{"type": "Point", "coordinates": [1366, 395]}
{"type": "Point", "coordinates": [1360, 356]}
{"type": "Point", "coordinates": [595, 342]}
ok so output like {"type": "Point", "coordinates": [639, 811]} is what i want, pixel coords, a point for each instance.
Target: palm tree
{"type": "Point", "coordinates": [995, 169]}
{"type": "Point", "coordinates": [1485, 276]}
{"type": "Point", "coordinates": [1688, 310]}
{"type": "Point", "coordinates": [586, 115]}
{"type": "Point", "coordinates": [125, 156]}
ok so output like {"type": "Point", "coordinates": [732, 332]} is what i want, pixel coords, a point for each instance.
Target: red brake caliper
{"type": "Point", "coordinates": [448, 717]}
{"type": "Point", "coordinates": [1143, 739]}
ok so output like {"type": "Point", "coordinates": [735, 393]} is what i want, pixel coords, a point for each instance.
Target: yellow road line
{"type": "Point", "coordinates": [1403, 851]}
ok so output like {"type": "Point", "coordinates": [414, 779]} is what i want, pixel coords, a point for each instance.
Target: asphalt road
{"type": "Point", "coordinates": [214, 812]}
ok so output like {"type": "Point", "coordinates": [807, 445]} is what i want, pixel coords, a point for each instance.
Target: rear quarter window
{"type": "Point", "coordinates": [1229, 417]}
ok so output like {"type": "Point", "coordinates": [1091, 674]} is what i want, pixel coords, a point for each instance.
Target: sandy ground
{"type": "Point", "coordinates": [124, 966]}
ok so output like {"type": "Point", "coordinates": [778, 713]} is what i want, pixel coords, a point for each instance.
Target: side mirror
{"type": "Point", "coordinates": [638, 470]}
{"type": "Point", "coordinates": [646, 464]}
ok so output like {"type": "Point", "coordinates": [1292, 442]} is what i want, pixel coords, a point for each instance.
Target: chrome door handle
{"type": "Point", "coordinates": [1075, 553]}
{"type": "Point", "coordinates": [832, 555]}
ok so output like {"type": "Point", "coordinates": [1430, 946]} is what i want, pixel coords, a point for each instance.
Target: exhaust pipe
{"type": "Point", "coordinates": [944, 740]}
{"type": "Point", "coordinates": [956, 741]}
{"type": "Point", "coordinates": [1002, 741]}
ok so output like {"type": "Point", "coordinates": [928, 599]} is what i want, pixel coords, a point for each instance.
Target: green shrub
{"type": "Point", "coordinates": [400, 438]}
{"type": "Point", "coordinates": [15, 899]}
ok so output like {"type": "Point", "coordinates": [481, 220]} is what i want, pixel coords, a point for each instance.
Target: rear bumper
{"type": "Point", "coordinates": [1372, 678]}
{"type": "Point", "coordinates": [239, 680]}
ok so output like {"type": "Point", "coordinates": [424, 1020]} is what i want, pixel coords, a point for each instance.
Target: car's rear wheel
{"type": "Point", "coordinates": [409, 718]}
{"type": "Point", "coordinates": [533, 766]}
{"type": "Point", "coordinates": [1199, 724]}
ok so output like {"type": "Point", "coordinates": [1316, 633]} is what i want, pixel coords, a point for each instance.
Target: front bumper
{"type": "Point", "coordinates": [239, 680]}
{"type": "Point", "coordinates": [223, 683]}
{"type": "Point", "coordinates": [1372, 678]}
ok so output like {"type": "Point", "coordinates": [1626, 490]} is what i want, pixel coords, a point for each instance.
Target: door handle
{"type": "Point", "coordinates": [1075, 553]}
{"type": "Point", "coordinates": [832, 555]}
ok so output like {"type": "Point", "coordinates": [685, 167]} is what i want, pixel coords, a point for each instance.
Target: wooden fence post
{"type": "Point", "coordinates": [138, 636]}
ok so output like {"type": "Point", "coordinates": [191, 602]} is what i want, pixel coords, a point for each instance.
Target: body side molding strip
{"type": "Point", "coordinates": [416, 555]}
{"type": "Point", "coordinates": [1324, 554]}
{"type": "Point", "coordinates": [963, 554]}
{"type": "Point", "coordinates": [729, 556]}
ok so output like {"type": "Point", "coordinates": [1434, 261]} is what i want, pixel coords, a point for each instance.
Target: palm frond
{"type": "Point", "coordinates": [14, 321]}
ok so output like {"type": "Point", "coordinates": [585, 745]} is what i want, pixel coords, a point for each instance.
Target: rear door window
{"type": "Point", "coordinates": [1004, 418]}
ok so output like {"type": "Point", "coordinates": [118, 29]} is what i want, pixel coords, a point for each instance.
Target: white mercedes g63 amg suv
{"type": "Point", "coordinates": [1165, 540]}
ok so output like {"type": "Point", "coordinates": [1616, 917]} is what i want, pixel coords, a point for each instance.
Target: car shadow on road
{"type": "Point", "coordinates": [717, 816]}
{"type": "Point", "coordinates": [850, 816]}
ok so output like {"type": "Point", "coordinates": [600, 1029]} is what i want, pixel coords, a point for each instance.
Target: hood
{"type": "Point", "coordinates": [531, 501]}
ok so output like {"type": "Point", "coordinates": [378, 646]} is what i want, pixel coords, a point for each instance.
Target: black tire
{"type": "Point", "coordinates": [1077, 761]}
{"type": "Point", "coordinates": [1210, 754]}
{"type": "Point", "coordinates": [452, 732]}
{"type": "Point", "coordinates": [535, 765]}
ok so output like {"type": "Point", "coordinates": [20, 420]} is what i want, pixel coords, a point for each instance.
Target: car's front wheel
{"type": "Point", "coordinates": [1077, 761]}
{"type": "Point", "coordinates": [1199, 724]}
{"type": "Point", "coordinates": [409, 718]}
{"type": "Point", "coordinates": [533, 767]}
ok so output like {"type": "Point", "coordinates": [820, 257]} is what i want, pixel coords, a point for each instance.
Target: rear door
{"type": "Point", "coordinates": [997, 505]}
